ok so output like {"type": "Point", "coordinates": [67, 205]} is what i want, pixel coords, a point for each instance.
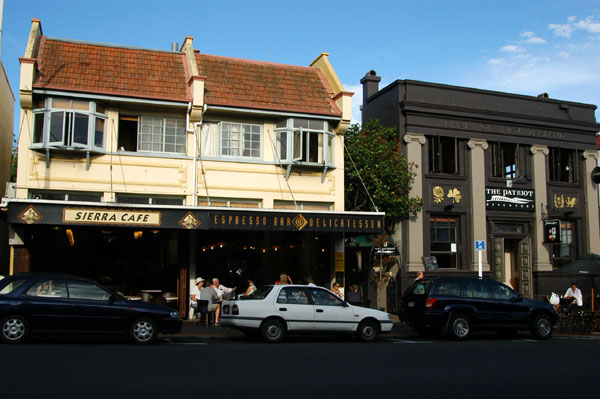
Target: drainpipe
{"type": "Point", "coordinates": [194, 173]}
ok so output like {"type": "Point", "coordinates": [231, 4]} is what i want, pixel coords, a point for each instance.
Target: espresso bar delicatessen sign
{"type": "Point", "coordinates": [122, 217]}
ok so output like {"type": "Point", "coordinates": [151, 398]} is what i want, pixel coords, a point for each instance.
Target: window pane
{"type": "Point", "coordinates": [61, 103]}
{"type": "Point", "coordinates": [80, 105]}
{"type": "Point", "coordinates": [448, 155]}
{"type": "Point", "coordinates": [50, 288]}
{"type": "Point", "coordinates": [298, 145]}
{"type": "Point", "coordinates": [87, 291]}
{"type": "Point", "coordinates": [101, 109]}
{"type": "Point", "coordinates": [99, 133]}
{"type": "Point", "coordinates": [448, 288]}
{"type": "Point", "coordinates": [322, 297]}
{"type": "Point", "coordinates": [38, 128]}
{"type": "Point", "coordinates": [315, 125]}
{"type": "Point", "coordinates": [80, 130]}
{"type": "Point", "coordinates": [41, 103]}
{"type": "Point", "coordinates": [301, 123]}
{"type": "Point", "coordinates": [330, 149]}
{"type": "Point", "coordinates": [281, 123]}
{"type": "Point", "coordinates": [57, 127]}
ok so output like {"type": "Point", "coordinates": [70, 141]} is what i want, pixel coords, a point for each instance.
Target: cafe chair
{"type": "Point", "coordinates": [203, 313]}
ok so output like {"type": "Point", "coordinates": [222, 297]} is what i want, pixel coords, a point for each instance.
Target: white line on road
{"type": "Point", "coordinates": [404, 341]}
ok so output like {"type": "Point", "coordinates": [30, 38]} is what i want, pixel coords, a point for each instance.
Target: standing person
{"type": "Point", "coordinates": [575, 293]}
{"type": "Point", "coordinates": [284, 279]}
{"type": "Point", "coordinates": [310, 282]}
{"type": "Point", "coordinates": [221, 289]}
{"type": "Point", "coordinates": [420, 276]}
{"type": "Point", "coordinates": [251, 288]}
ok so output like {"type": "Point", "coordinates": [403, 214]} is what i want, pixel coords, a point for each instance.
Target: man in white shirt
{"type": "Point", "coordinates": [574, 292]}
{"type": "Point", "coordinates": [220, 289]}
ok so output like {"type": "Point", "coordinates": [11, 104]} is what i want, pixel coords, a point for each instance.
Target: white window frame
{"type": "Point", "coordinates": [242, 140]}
{"type": "Point", "coordinates": [296, 143]}
{"type": "Point", "coordinates": [163, 134]}
{"type": "Point", "coordinates": [68, 126]}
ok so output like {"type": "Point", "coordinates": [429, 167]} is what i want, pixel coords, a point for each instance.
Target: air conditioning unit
{"type": "Point", "coordinates": [11, 190]}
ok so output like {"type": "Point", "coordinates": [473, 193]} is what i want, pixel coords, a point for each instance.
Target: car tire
{"type": "Point", "coordinates": [541, 327]}
{"type": "Point", "coordinates": [272, 331]}
{"type": "Point", "coordinates": [143, 331]}
{"type": "Point", "coordinates": [459, 327]}
{"type": "Point", "coordinates": [14, 329]}
{"type": "Point", "coordinates": [368, 330]}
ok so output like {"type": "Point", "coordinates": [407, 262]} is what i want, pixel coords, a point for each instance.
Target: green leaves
{"type": "Point", "coordinates": [388, 177]}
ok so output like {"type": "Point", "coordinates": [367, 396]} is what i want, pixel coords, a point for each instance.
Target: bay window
{"type": "Point", "coordinates": [65, 123]}
{"type": "Point", "coordinates": [304, 141]}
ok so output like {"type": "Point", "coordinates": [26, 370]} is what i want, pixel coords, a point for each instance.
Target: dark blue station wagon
{"type": "Point", "coordinates": [51, 303]}
{"type": "Point", "coordinates": [459, 305]}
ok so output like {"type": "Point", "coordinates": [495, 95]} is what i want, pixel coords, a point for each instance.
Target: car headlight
{"type": "Point", "coordinates": [174, 315]}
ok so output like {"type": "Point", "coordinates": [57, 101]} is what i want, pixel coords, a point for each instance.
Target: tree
{"type": "Point", "coordinates": [373, 151]}
{"type": "Point", "coordinates": [13, 162]}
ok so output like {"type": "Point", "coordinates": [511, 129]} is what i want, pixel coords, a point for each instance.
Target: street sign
{"type": "Point", "coordinates": [479, 245]}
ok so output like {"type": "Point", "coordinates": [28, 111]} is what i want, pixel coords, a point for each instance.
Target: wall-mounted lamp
{"type": "Point", "coordinates": [70, 237]}
{"type": "Point", "coordinates": [526, 176]}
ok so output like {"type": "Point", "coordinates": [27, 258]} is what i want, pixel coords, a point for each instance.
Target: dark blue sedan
{"type": "Point", "coordinates": [41, 303]}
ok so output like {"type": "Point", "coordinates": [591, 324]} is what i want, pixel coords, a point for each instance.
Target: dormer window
{"type": "Point", "coordinates": [67, 123]}
{"type": "Point", "coordinates": [304, 141]}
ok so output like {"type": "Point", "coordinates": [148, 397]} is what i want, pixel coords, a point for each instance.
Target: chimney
{"type": "Point", "coordinates": [174, 46]}
{"type": "Point", "coordinates": [370, 84]}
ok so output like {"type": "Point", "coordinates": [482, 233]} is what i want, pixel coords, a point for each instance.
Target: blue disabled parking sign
{"type": "Point", "coordinates": [479, 245]}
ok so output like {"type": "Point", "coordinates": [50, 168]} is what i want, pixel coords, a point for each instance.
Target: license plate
{"type": "Point", "coordinates": [411, 304]}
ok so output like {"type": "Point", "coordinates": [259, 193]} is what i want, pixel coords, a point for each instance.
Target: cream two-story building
{"type": "Point", "coordinates": [146, 168]}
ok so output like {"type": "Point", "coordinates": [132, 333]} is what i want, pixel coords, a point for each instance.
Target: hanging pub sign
{"type": "Point", "coordinates": [509, 199]}
{"type": "Point", "coordinates": [552, 231]}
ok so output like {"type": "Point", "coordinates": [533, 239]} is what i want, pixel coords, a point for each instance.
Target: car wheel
{"type": "Point", "coordinates": [541, 327]}
{"type": "Point", "coordinates": [15, 329]}
{"type": "Point", "coordinates": [143, 331]}
{"type": "Point", "coordinates": [272, 331]}
{"type": "Point", "coordinates": [368, 330]}
{"type": "Point", "coordinates": [459, 327]}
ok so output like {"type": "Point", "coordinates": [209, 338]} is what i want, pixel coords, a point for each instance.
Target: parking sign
{"type": "Point", "coordinates": [479, 245]}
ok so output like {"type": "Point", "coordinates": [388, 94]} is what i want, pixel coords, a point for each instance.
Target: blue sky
{"type": "Point", "coordinates": [525, 47]}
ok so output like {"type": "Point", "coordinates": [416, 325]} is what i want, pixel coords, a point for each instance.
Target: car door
{"type": "Point", "coordinates": [479, 296]}
{"type": "Point", "coordinates": [294, 305]}
{"type": "Point", "coordinates": [510, 309]}
{"type": "Point", "coordinates": [94, 308]}
{"type": "Point", "coordinates": [331, 313]}
{"type": "Point", "coordinates": [47, 305]}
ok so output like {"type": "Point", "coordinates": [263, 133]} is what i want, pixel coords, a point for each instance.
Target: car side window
{"type": "Point", "coordinates": [49, 288]}
{"type": "Point", "coordinates": [8, 286]}
{"type": "Point", "coordinates": [477, 289]}
{"type": "Point", "coordinates": [501, 291]}
{"type": "Point", "coordinates": [85, 290]}
{"type": "Point", "coordinates": [293, 295]}
{"type": "Point", "coordinates": [322, 297]}
{"type": "Point", "coordinates": [448, 288]}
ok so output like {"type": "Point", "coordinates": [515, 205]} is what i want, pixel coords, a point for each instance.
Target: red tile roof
{"type": "Point", "coordinates": [244, 83]}
{"type": "Point", "coordinates": [105, 69]}
{"type": "Point", "coordinates": [113, 70]}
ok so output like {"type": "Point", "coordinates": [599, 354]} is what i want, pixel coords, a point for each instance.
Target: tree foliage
{"type": "Point", "coordinates": [387, 175]}
{"type": "Point", "coordinates": [13, 162]}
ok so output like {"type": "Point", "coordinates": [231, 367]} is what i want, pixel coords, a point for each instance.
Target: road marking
{"type": "Point", "coordinates": [404, 341]}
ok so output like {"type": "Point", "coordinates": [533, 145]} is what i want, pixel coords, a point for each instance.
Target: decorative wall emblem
{"type": "Point", "coordinates": [438, 194]}
{"type": "Point", "coordinates": [30, 215]}
{"type": "Point", "coordinates": [455, 194]}
{"type": "Point", "coordinates": [560, 201]}
{"type": "Point", "coordinates": [299, 221]}
{"type": "Point", "coordinates": [189, 221]}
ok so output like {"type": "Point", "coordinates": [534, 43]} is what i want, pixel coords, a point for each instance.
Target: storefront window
{"type": "Point", "coordinates": [565, 251]}
{"type": "Point", "coordinates": [443, 233]}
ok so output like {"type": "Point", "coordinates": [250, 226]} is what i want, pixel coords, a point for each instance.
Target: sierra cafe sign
{"type": "Point", "coordinates": [122, 217]}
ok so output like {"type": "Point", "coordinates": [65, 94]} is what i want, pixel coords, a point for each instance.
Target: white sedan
{"type": "Point", "coordinates": [274, 310]}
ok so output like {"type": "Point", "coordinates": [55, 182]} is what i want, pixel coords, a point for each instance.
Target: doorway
{"type": "Point", "coordinates": [512, 263]}
{"type": "Point", "coordinates": [511, 268]}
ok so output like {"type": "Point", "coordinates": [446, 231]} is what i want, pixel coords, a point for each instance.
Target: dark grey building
{"type": "Point", "coordinates": [495, 167]}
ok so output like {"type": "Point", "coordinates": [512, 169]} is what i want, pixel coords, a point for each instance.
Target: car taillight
{"type": "Point", "coordinates": [235, 310]}
{"type": "Point", "coordinates": [430, 303]}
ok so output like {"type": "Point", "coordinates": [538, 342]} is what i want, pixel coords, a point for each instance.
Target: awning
{"type": "Point", "coordinates": [45, 212]}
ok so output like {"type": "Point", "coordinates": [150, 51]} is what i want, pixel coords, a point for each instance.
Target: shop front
{"type": "Point", "coordinates": [162, 249]}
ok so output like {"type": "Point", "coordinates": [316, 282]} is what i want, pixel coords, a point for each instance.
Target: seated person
{"type": "Point", "coordinates": [209, 294]}
{"type": "Point", "coordinates": [554, 300]}
{"type": "Point", "coordinates": [45, 288]}
{"type": "Point", "coordinates": [575, 293]}
{"type": "Point", "coordinates": [195, 293]}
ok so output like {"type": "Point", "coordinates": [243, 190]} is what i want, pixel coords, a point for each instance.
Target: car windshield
{"type": "Point", "coordinates": [260, 293]}
{"type": "Point", "coordinates": [9, 285]}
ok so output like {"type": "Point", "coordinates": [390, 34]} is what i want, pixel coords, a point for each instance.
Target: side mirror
{"type": "Point", "coordinates": [515, 299]}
